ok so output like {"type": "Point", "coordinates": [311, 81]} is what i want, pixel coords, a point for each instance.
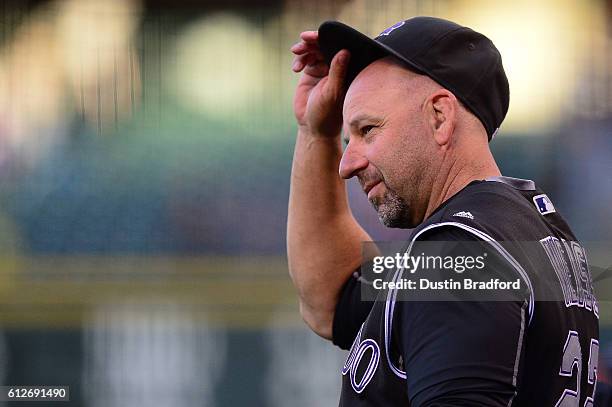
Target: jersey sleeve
{"type": "Point", "coordinates": [350, 312]}
{"type": "Point", "coordinates": [462, 352]}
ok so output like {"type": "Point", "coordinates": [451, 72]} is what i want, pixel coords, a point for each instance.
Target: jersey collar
{"type": "Point", "coordinates": [516, 183]}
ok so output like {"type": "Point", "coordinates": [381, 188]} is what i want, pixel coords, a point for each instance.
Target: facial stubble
{"type": "Point", "coordinates": [392, 209]}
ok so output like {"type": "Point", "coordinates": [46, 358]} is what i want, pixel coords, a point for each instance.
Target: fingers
{"type": "Point", "coordinates": [337, 71]}
{"type": "Point", "coordinates": [310, 36]}
{"type": "Point", "coordinates": [304, 47]}
{"type": "Point", "coordinates": [317, 70]}
{"type": "Point", "coordinates": [302, 61]}
{"type": "Point", "coordinates": [305, 55]}
{"type": "Point", "coordinates": [310, 59]}
{"type": "Point", "coordinates": [307, 51]}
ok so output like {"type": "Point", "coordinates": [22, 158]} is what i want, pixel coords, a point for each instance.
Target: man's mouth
{"type": "Point", "coordinates": [369, 186]}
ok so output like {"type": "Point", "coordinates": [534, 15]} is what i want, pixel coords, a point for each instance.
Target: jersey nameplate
{"type": "Point", "coordinates": [570, 264]}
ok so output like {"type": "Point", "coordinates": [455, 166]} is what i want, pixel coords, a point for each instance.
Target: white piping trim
{"type": "Point", "coordinates": [388, 324]}
{"type": "Point", "coordinates": [518, 354]}
{"type": "Point", "coordinates": [390, 305]}
{"type": "Point", "coordinates": [390, 302]}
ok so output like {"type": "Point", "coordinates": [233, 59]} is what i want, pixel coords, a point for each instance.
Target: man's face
{"type": "Point", "coordinates": [388, 148]}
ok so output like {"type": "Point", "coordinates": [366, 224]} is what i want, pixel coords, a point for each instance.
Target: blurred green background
{"type": "Point", "coordinates": [145, 151]}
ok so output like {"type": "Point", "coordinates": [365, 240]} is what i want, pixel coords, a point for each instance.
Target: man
{"type": "Point", "coordinates": [419, 105]}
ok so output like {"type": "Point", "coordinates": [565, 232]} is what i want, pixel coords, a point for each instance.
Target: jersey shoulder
{"type": "Point", "coordinates": [502, 208]}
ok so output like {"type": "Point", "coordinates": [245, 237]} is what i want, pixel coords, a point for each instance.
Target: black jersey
{"type": "Point", "coordinates": [539, 350]}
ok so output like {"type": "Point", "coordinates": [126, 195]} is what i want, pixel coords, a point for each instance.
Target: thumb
{"type": "Point", "coordinates": [338, 71]}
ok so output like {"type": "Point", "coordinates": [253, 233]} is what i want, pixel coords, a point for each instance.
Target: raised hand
{"type": "Point", "coordinates": [320, 91]}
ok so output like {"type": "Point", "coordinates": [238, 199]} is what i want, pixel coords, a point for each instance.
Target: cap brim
{"type": "Point", "coordinates": [335, 36]}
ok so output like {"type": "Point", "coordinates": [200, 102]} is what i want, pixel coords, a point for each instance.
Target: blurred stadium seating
{"type": "Point", "coordinates": [145, 150]}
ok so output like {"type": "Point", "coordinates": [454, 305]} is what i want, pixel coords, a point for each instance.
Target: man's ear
{"type": "Point", "coordinates": [442, 111]}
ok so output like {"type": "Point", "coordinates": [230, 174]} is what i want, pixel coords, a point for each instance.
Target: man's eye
{"type": "Point", "coordinates": [366, 129]}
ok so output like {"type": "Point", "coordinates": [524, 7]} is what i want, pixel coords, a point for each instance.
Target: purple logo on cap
{"type": "Point", "coordinates": [390, 29]}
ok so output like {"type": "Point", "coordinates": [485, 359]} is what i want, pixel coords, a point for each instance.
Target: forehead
{"type": "Point", "coordinates": [379, 83]}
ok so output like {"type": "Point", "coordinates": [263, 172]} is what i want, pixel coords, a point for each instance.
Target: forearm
{"type": "Point", "coordinates": [323, 238]}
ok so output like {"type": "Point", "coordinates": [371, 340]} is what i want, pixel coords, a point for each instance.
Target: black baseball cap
{"type": "Point", "coordinates": [460, 59]}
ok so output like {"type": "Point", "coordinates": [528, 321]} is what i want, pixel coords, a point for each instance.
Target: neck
{"type": "Point", "coordinates": [456, 176]}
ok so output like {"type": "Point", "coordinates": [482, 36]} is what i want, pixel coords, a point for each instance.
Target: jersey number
{"type": "Point", "coordinates": [572, 356]}
{"type": "Point", "coordinates": [356, 354]}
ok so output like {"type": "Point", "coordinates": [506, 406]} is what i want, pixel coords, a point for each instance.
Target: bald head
{"type": "Point", "coordinates": [384, 79]}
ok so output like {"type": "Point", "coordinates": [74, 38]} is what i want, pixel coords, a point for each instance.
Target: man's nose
{"type": "Point", "coordinates": [352, 162]}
